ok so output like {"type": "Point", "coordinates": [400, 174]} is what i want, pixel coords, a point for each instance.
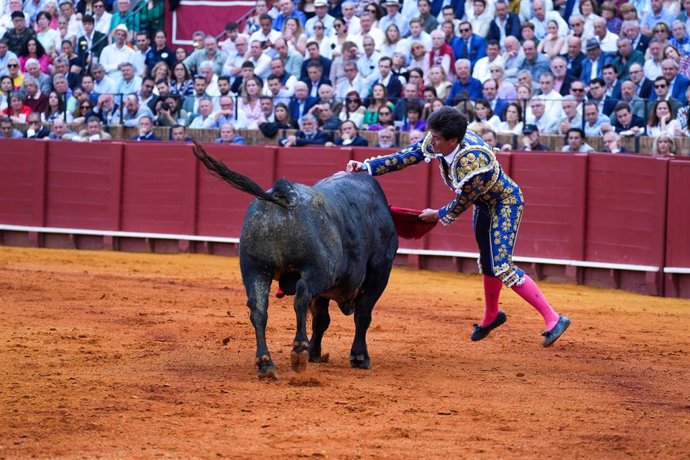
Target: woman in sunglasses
{"type": "Point", "coordinates": [352, 109]}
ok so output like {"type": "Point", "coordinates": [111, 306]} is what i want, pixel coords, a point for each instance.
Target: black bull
{"type": "Point", "coordinates": [333, 241]}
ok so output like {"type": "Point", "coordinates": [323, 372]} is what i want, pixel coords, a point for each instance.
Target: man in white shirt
{"type": "Point", "coordinates": [541, 19]}
{"type": "Point", "coordinates": [369, 60]}
{"type": "Point", "coordinates": [366, 22]}
{"type": "Point", "coordinates": [493, 56]}
{"type": "Point", "coordinates": [266, 35]}
{"type": "Point", "coordinates": [102, 84]}
{"type": "Point", "coordinates": [117, 53]}
{"type": "Point", "coordinates": [262, 63]}
{"type": "Point", "coordinates": [608, 41]}
{"type": "Point", "coordinates": [553, 101]}
{"type": "Point", "coordinates": [352, 81]}
{"type": "Point", "coordinates": [143, 47]}
{"type": "Point", "coordinates": [101, 17]}
{"type": "Point", "coordinates": [348, 9]}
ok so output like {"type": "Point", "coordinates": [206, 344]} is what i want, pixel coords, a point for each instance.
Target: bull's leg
{"type": "Point", "coordinates": [320, 321]}
{"type": "Point", "coordinates": [258, 287]}
{"type": "Point", "coordinates": [300, 354]}
{"type": "Point", "coordinates": [372, 288]}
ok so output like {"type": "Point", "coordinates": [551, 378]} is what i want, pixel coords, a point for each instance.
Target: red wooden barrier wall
{"type": "Point", "coordinates": [678, 229]}
{"type": "Point", "coordinates": [584, 213]}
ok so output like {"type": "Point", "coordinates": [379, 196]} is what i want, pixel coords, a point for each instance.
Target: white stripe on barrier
{"type": "Point", "coordinates": [421, 252]}
{"type": "Point", "coordinates": [677, 270]}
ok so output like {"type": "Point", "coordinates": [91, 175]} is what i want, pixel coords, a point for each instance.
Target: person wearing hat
{"type": "Point", "coordinates": [18, 37]}
{"type": "Point", "coordinates": [593, 65]}
{"type": "Point", "coordinates": [125, 16]}
{"type": "Point", "coordinates": [393, 16]}
{"type": "Point", "coordinates": [530, 140]}
{"type": "Point", "coordinates": [470, 169]}
{"type": "Point", "coordinates": [117, 53]}
{"type": "Point", "coordinates": [321, 15]}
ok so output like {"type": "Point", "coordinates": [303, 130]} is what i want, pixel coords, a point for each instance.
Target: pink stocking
{"type": "Point", "coordinates": [492, 290]}
{"type": "Point", "coordinates": [529, 291]}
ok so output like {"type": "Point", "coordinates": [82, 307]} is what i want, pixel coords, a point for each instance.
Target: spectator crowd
{"type": "Point", "coordinates": [330, 69]}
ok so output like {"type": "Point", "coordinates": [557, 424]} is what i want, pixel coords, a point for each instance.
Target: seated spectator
{"type": "Point", "coordinates": [106, 109]}
{"type": "Point", "coordinates": [229, 136]}
{"type": "Point", "coordinates": [595, 122]}
{"type": "Point", "coordinates": [93, 132]}
{"type": "Point", "coordinates": [83, 112]}
{"type": "Point", "coordinates": [327, 96]}
{"type": "Point", "coordinates": [416, 135]}
{"type": "Point", "coordinates": [16, 109]}
{"type": "Point", "coordinates": [612, 143]}
{"type": "Point", "coordinates": [35, 129]}
{"type": "Point", "coordinates": [386, 138]}
{"type": "Point", "coordinates": [34, 49]}
{"type": "Point", "coordinates": [352, 109]}
{"type": "Point", "coordinates": [279, 120]}
{"type": "Point", "coordinates": [228, 114]}
{"type": "Point", "coordinates": [7, 130]}
{"type": "Point", "coordinates": [414, 117]}
{"type": "Point", "coordinates": [378, 99]}
{"type": "Point", "coordinates": [662, 120]}
{"type": "Point", "coordinates": [14, 73]}
{"type": "Point", "coordinates": [485, 115]}
{"type": "Point", "coordinates": [132, 113]}
{"type": "Point", "coordinates": [530, 140]}
{"type": "Point", "coordinates": [439, 80]}
{"type": "Point", "coordinates": [178, 133]}
{"type": "Point", "coordinates": [308, 134]}
{"type": "Point", "coordinates": [664, 145]}
{"type": "Point", "coordinates": [34, 98]}
{"type": "Point", "coordinates": [205, 119]}
{"type": "Point", "coordinates": [61, 131]}
{"type": "Point", "coordinates": [130, 81]}
{"type": "Point", "coordinates": [169, 112]}
{"type": "Point", "coordinates": [513, 123]}
{"type": "Point", "coordinates": [349, 137]}
{"type": "Point", "coordinates": [627, 124]}
{"type": "Point", "coordinates": [490, 137]}
{"type": "Point", "coordinates": [575, 142]}
{"type": "Point", "coordinates": [384, 119]}
{"type": "Point", "coordinates": [250, 103]}
{"type": "Point", "coordinates": [539, 118]}
{"type": "Point", "coordinates": [326, 118]}
{"type": "Point", "coordinates": [181, 82]}
{"type": "Point", "coordinates": [145, 127]}
{"type": "Point", "coordinates": [662, 93]}
{"type": "Point", "coordinates": [55, 109]}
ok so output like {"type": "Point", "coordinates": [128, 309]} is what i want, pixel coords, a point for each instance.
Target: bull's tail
{"type": "Point", "coordinates": [237, 180]}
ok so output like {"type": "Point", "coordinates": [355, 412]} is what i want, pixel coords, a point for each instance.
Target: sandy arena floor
{"type": "Point", "coordinates": [119, 355]}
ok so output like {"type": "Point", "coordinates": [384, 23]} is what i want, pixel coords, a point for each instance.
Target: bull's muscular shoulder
{"type": "Point", "coordinates": [475, 157]}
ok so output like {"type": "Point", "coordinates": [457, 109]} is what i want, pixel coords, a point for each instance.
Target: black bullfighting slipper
{"type": "Point", "coordinates": [558, 330]}
{"type": "Point", "coordinates": [480, 332]}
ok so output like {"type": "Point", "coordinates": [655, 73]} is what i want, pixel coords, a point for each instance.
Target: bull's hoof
{"type": "Point", "coordinates": [319, 359]}
{"type": "Point", "coordinates": [360, 362]}
{"type": "Point", "coordinates": [298, 360]}
{"type": "Point", "coordinates": [267, 370]}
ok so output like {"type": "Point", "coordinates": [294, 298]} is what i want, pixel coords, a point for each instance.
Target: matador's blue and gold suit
{"type": "Point", "coordinates": [477, 178]}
